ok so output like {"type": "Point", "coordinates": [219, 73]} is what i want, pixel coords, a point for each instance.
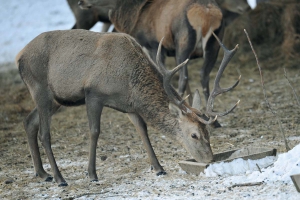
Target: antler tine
{"type": "Point", "coordinates": [228, 54]}
{"type": "Point", "coordinates": [170, 73]}
{"type": "Point", "coordinates": [167, 83]}
{"type": "Point", "coordinates": [212, 113]}
{"type": "Point", "coordinates": [158, 58]}
{"type": "Point", "coordinates": [210, 121]}
{"type": "Point", "coordinates": [167, 76]}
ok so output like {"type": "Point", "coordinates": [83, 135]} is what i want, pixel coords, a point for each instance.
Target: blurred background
{"type": "Point", "coordinates": [22, 20]}
{"type": "Point", "coordinates": [274, 28]}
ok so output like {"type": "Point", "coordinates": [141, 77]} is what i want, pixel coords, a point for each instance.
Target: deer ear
{"type": "Point", "coordinates": [174, 110]}
{"type": "Point", "coordinates": [196, 100]}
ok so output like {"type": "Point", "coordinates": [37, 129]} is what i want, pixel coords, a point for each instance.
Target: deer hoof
{"type": "Point", "coordinates": [94, 180]}
{"type": "Point", "coordinates": [49, 179]}
{"type": "Point", "coordinates": [63, 184]}
{"type": "Point", "coordinates": [161, 173]}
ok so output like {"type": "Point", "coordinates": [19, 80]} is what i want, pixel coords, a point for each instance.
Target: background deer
{"type": "Point", "coordinates": [77, 67]}
{"type": "Point", "coordinates": [86, 19]}
{"type": "Point", "coordinates": [186, 24]}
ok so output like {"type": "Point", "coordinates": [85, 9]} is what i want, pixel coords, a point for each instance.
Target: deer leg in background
{"type": "Point", "coordinates": [152, 52]}
{"type": "Point", "coordinates": [184, 48]}
{"type": "Point", "coordinates": [85, 19]}
{"type": "Point", "coordinates": [31, 124]}
{"type": "Point", "coordinates": [211, 51]}
{"type": "Point", "coordinates": [141, 127]}
{"type": "Point", "coordinates": [94, 110]}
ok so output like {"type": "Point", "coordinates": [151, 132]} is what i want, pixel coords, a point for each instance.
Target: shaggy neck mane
{"type": "Point", "coordinates": [131, 9]}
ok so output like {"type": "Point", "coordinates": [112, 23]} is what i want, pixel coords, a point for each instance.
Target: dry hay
{"type": "Point", "coordinates": [274, 29]}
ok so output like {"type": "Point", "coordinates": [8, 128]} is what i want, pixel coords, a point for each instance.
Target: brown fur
{"type": "Point", "coordinates": [76, 67]}
{"type": "Point", "coordinates": [132, 15]}
{"type": "Point", "coordinates": [210, 16]}
{"type": "Point", "coordinates": [86, 18]}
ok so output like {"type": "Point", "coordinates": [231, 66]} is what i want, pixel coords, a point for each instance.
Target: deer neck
{"type": "Point", "coordinates": [160, 118]}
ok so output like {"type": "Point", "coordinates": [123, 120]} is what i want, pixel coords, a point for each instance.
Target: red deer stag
{"type": "Point", "coordinates": [75, 67]}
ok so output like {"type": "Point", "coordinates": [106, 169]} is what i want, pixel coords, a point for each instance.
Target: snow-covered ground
{"type": "Point", "coordinates": [287, 164]}
{"type": "Point", "coordinates": [275, 180]}
{"type": "Point", "coordinates": [22, 20]}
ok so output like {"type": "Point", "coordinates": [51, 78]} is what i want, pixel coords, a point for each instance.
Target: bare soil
{"type": "Point", "coordinates": [121, 155]}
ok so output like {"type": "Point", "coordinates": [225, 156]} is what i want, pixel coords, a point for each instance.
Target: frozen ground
{"type": "Point", "coordinates": [21, 21]}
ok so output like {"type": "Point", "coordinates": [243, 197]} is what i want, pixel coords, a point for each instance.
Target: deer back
{"type": "Point", "coordinates": [73, 62]}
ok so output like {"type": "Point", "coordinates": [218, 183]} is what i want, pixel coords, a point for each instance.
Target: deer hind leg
{"type": "Point", "coordinates": [184, 48]}
{"type": "Point", "coordinates": [85, 19]}
{"type": "Point", "coordinates": [31, 124]}
{"type": "Point", "coordinates": [94, 110]}
{"type": "Point", "coordinates": [141, 127]}
{"type": "Point", "coordinates": [46, 107]}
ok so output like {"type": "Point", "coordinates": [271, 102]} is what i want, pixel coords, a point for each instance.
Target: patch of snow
{"type": "Point", "coordinates": [23, 20]}
{"type": "Point", "coordinates": [293, 138]}
{"type": "Point", "coordinates": [286, 165]}
{"type": "Point", "coordinates": [237, 166]}
{"type": "Point", "coordinates": [252, 3]}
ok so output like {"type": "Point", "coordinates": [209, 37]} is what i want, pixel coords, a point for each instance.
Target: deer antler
{"type": "Point", "coordinates": [228, 54]}
{"type": "Point", "coordinates": [167, 76]}
{"type": "Point", "coordinates": [176, 99]}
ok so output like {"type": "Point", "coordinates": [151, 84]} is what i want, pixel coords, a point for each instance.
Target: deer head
{"type": "Point", "coordinates": [195, 138]}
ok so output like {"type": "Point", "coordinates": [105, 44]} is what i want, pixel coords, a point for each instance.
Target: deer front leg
{"type": "Point", "coordinates": [31, 125]}
{"type": "Point", "coordinates": [183, 80]}
{"type": "Point", "coordinates": [141, 128]}
{"type": "Point", "coordinates": [184, 47]}
{"type": "Point", "coordinates": [94, 110]}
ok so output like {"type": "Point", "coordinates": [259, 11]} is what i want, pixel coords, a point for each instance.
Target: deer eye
{"type": "Point", "coordinates": [194, 136]}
